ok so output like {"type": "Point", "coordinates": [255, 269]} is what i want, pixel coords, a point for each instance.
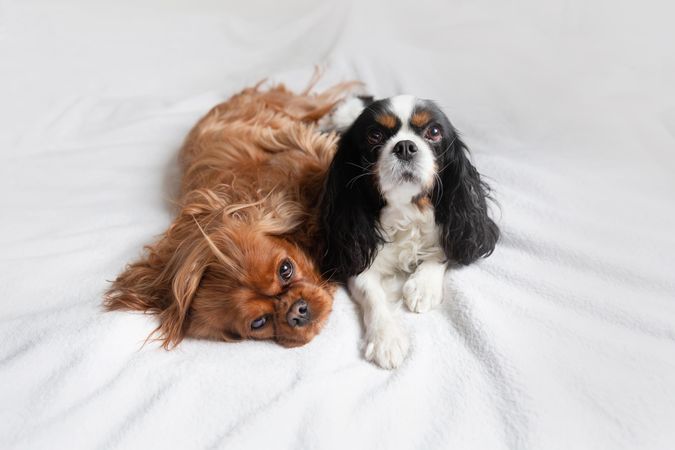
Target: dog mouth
{"type": "Point", "coordinates": [291, 343]}
{"type": "Point", "coordinates": [303, 337]}
{"type": "Point", "coordinates": [408, 176]}
{"type": "Point", "coordinates": [304, 316]}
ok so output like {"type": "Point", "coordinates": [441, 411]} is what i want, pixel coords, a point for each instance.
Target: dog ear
{"type": "Point", "coordinates": [350, 206]}
{"type": "Point", "coordinates": [278, 217]}
{"type": "Point", "coordinates": [163, 282]}
{"type": "Point", "coordinates": [165, 279]}
{"type": "Point", "coordinates": [185, 280]}
{"type": "Point", "coordinates": [460, 199]}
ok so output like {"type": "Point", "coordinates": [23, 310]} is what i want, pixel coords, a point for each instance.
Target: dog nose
{"type": "Point", "coordinates": [404, 150]}
{"type": "Point", "coordinates": [298, 315]}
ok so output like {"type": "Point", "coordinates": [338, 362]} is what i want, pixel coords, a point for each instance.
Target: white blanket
{"type": "Point", "coordinates": [563, 338]}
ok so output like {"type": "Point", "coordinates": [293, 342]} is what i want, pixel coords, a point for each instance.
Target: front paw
{"type": "Point", "coordinates": [387, 346]}
{"type": "Point", "coordinates": [421, 294]}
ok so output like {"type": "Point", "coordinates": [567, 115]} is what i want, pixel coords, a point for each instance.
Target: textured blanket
{"type": "Point", "coordinates": [563, 338]}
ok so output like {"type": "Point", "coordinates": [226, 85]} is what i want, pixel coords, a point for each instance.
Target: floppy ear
{"type": "Point", "coordinates": [165, 279]}
{"type": "Point", "coordinates": [163, 282]}
{"type": "Point", "coordinates": [185, 278]}
{"type": "Point", "coordinates": [350, 206]}
{"type": "Point", "coordinates": [460, 199]}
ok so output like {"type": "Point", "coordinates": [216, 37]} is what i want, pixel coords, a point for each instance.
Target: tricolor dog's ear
{"type": "Point", "coordinates": [350, 207]}
{"type": "Point", "coordinates": [345, 113]}
{"type": "Point", "coordinates": [461, 210]}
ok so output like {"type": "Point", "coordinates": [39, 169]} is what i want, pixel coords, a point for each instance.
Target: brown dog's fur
{"type": "Point", "coordinates": [253, 171]}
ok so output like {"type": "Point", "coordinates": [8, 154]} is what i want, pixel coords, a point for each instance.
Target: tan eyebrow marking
{"type": "Point", "coordinates": [386, 120]}
{"type": "Point", "coordinates": [420, 118]}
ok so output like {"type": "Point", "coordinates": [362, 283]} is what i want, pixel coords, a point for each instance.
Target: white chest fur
{"type": "Point", "coordinates": [411, 237]}
{"type": "Point", "coordinates": [408, 266]}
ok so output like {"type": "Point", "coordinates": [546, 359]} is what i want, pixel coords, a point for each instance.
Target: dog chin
{"type": "Point", "coordinates": [403, 190]}
{"type": "Point", "coordinates": [409, 177]}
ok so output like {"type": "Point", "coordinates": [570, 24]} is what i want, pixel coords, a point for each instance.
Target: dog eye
{"type": "Point", "coordinates": [433, 133]}
{"type": "Point", "coordinates": [286, 270]}
{"type": "Point", "coordinates": [374, 136]}
{"type": "Point", "coordinates": [259, 323]}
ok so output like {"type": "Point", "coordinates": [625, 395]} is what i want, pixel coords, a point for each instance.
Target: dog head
{"type": "Point", "coordinates": [226, 272]}
{"type": "Point", "coordinates": [397, 151]}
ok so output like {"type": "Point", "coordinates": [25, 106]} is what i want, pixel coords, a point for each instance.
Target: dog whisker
{"type": "Point", "coordinates": [353, 180]}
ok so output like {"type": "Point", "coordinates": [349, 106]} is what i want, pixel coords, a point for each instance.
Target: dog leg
{"type": "Point", "coordinates": [424, 289]}
{"type": "Point", "coordinates": [386, 342]}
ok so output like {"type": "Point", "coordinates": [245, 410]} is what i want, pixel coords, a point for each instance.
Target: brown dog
{"type": "Point", "coordinates": [237, 262]}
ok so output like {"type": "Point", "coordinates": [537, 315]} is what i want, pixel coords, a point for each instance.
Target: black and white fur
{"type": "Point", "coordinates": [402, 201]}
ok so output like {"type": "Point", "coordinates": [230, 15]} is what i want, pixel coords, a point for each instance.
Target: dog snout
{"type": "Point", "coordinates": [298, 314]}
{"type": "Point", "coordinates": [404, 150]}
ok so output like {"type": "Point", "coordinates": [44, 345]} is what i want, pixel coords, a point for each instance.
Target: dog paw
{"type": "Point", "coordinates": [345, 114]}
{"type": "Point", "coordinates": [422, 294]}
{"type": "Point", "coordinates": [387, 346]}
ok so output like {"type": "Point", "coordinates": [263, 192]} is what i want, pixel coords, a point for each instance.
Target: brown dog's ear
{"type": "Point", "coordinates": [139, 287]}
{"type": "Point", "coordinates": [166, 278]}
{"type": "Point", "coordinates": [163, 282]}
{"type": "Point", "coordinates": [279, 217]}
{"type": "Point", "coordinates": [185, 278]}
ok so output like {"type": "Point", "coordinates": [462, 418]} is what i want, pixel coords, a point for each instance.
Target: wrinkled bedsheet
{"type": "Point", "coordinates": [563, 338]}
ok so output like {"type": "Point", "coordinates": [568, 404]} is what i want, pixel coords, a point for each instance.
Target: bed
{"type": "Point", "coordinates": [563, 338]}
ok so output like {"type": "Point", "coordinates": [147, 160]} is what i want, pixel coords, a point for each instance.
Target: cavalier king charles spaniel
{"type": "Point", "coordinates": [402, 201]}
{"type": "Point", "coordinates": [238, 260]}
